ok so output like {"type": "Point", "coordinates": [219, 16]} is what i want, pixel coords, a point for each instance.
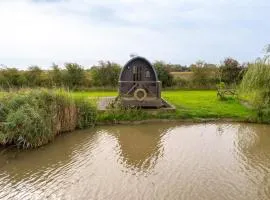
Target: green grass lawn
{"type": "Point", "coordinates": [190, 104]}
{"type": "Point", "coordinates": [205, 104]}
{"type": "Point", "coordinates": [193, 104]}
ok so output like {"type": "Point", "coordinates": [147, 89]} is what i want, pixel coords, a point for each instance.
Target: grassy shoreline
{"type": "Point", "coordinates": [191, 106]}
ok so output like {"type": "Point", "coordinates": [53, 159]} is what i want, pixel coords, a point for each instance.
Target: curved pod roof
{"type": "Point", "coordinates": [137, 61]}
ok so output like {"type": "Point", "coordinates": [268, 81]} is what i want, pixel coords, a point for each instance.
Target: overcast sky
{"type": "Point", "coordinates": [178, 31]}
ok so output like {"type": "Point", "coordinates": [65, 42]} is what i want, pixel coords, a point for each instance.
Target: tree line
{"type": "Point", "coordinates": [106, 74]}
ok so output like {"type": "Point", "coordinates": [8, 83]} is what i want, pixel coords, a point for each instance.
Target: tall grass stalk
{"type": "Point", "coordinates": [255, 87]}
{"type": "Point", "coordinates": [32, 118]}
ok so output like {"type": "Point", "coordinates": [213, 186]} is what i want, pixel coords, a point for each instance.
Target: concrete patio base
{"type": "Point", "coordinates": [104, 104]}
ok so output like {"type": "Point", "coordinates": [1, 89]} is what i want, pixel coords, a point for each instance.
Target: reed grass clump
{"type": "Point", "coordinates": [116, 112]}
{"type": "Point", "coordinates": [87, 113]}
{"type": "Point", "coordinates": [29, 119]}
{"type": "Point", "coordinates": [256, 88]}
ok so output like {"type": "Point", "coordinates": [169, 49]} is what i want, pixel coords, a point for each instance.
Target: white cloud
{"type": "Point", "coordinates": [90, 30]}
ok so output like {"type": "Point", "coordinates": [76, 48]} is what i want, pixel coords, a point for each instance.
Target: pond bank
{"type": "Point", "coordinates": [198, 120]}
{"type": "Point", "coordinates": [30, 115]}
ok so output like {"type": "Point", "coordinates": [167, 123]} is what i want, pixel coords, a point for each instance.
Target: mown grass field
{"type": "Point", "coordinates": [192, 104]}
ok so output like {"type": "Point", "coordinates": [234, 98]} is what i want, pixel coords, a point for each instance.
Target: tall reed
{"type": "Point", "coordinates": [256, 87]}
{"type": "Point", "coordinates": [32, 118]}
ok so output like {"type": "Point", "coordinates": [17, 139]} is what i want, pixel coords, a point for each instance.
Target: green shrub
{"type": "Point", "coordinates": [119, 113]}
{"type": "Point", "coordinates": [181, 83]}
{"type": "Point", "coordinates": [27, 119]}
{"type": "Point", "coordinates": [204, 76]}
{"type": "Point", "coordinates": [105, 74]}
{"type": "Point", "coordinates": [163, 73]}
{"type": "Point", "coordinates": [256, 87]}
{"type": "Point", "coordinates": [74, 75]}
{"type": "Point", "coordinates": [27, 127]}
{"type": "Point", "coordinates": [231, 71]}
{"type": "Point", "coordinates": [87, 113]}
{"type": "Point", "coordinates": [33, 118]}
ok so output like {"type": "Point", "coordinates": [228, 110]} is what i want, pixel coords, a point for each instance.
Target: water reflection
{"type": "Point", "coordinates": [140, 148]}
{"type": "Point", "coordinates": [151, 161]}
{"type": "Point", "coordinates": [25, 173]}
{"type": "Point", "coordinates": [253, 145]}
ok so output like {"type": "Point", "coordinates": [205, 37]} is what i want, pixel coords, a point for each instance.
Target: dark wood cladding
{"type": "Point", "coordinates": [139, 73]}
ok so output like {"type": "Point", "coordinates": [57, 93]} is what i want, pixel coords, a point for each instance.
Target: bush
{"type": "Point", "coordinates": [163, 74]}
{"type": "Point", "coordinates": [205, 76]}
{"type": "Point", "coordinates": [74, 75]}
{"type": "Point", "coordinates": [12, 77]}
{"type": "Point", "coordinates": [256, 87]}
{"type": "Point", "coordinates": [105, 74]}
{"type": "Point", "coordinates": [181, 83]}
{"type": "Point", "coordinates": [87, 113]}
{"type": "Point", "coordinates": [33, 118]}
{"type": "Point", "coordinates": [26, 120]}
{"type": "Point", "coordinates": [231, 71]}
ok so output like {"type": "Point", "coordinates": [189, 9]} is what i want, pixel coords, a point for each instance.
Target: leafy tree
{"type": "Point", "coordinates": [12, 77]}
{"type": "Point", "coordinates": [105, 74]}
{"type": "Point", "coordinates": [176, 68]}
{"type": "Point", "coordinates": [74, 75]}
{"type": "Point", "coordinates": [56, 76]}
{"type": "Point", "coordinates": [231, 71]}
{"type": "Point", "coordinates": [33, 76]}
{"type": "Point", "coordinates": [163, 73]}
{"type": "Point", "coordinates": [204, 75]}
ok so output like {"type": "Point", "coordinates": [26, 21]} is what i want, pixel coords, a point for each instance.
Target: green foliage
{"type": "Point", "coordinates": [176, 68]}
{"type": "Point", "coordinates": [11, 77]}
{"type": "Point", "coordinates": [33, 76]}
{"type": "Point", "coordinates": [27, 121]}
{"type": "Point", "coordinates": [30, 119]}
{"type": "Point", "coordinates": [163, 74]}
{"type": "Point", "coordinates": [74, 75]}
{"type": "Point", "coordinates": [56, 76]}
{"type": "Point", "coordinates": [256, 86]}
{"type": "Point", "coordinates": [181, 83]}
{"type": "Point", "coordinates": [123, 114]}
{"type": "Point", "coordinates": [231, 71]}
{"type": "Point", "coordinates": [221, 86]}
{"type": "Point", "coordinates": [33, 118]}
{"type": "Point", "coordinates": [87, 113]}
{"type": "Point", "coordinates": [27, 127]}
{"type": "Point", "coordinates": [204, 75]}
{"type": "Point", "coordinates": [106, 74]}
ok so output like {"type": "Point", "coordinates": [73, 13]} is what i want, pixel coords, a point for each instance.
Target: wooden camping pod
{"type": "Point", "coordinates": [139, 85]}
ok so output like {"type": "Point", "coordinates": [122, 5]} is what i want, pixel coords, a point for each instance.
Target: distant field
{"type": "Point", "coordinates": [183, 75]}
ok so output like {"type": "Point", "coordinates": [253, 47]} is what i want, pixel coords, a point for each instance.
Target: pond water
{"type": "Point", "coordinates": [150, 161]}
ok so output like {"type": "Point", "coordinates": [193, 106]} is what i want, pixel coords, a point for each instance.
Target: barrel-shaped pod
{"type": "Point", "coordinates": [136, 74]}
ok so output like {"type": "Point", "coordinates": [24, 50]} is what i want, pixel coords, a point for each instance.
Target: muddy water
{"type": "Point", "coordinates": [152, 161]}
